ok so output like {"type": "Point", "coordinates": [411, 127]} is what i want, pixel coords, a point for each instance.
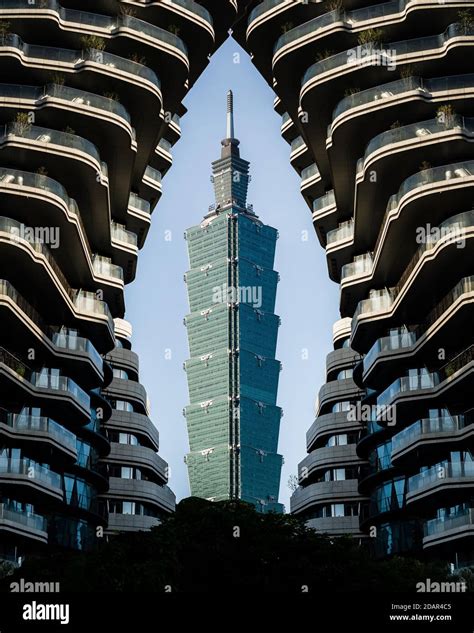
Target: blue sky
{"type": "Point", "coordinates": [157, 301]}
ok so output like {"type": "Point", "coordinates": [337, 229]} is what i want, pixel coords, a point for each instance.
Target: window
{"type": "Point", "coordinates": [344, 374]}
{"type": "Point", "coordinates": [338, 407]}
{"type": "Point", "coordinates": [128, 507]}
{"type": "Point", "coordinates": [127, 438]}
{"type": "Point", "coordinates": [120, 373]}
{"type": "Point", "coordinates": [121, 405]}
{"type": "Point", "coordinates": [337, 510]}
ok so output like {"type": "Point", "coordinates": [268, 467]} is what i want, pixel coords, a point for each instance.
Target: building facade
{"type": "Point", "coordinates": [90, 102]}
{"type": "Point", "coordinates": [377, 102]}
{"type": "Point", "coordinates": [233, 420]}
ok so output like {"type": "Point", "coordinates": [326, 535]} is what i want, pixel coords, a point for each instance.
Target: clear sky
{"type": "Point", "coordinates": [157, 302]}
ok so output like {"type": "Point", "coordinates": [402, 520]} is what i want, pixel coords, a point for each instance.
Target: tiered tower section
{"type": "Point", "coordinates": [233, 421]}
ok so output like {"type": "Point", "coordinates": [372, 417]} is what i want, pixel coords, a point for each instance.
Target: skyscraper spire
{"type": "Point", "coordinates": [230, 115]}
{"type": "Point", "coordinates": [230, 174]}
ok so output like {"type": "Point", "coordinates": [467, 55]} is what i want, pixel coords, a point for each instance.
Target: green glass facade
{"type": "Point", "coordinates": [233, 420]}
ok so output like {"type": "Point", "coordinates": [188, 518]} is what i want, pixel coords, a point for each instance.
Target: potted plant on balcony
{"type": "Point", "coordinates": [466, 20]}
{"type": "Point", "coordinates": [445, 114]}
{"type": "Point", "coordinates": [22, 124]}
{"type": "Point", "coordinates": [370, 38]}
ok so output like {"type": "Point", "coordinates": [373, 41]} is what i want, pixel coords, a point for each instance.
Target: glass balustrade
{"type": "Point", "coordinates": [10, 512]}
{"type": "Point", "coordinates": [438, 473]}
{"type": "Point", "coordinates": [444, 424]}
{"type": "Point", "coordinates": [31, 470]}
{"type": "Point", "coordinates": [323, 202]}
{"type": "Point", "coordinates": [384, 54]}
{"type": "Point", "coordinates": [344, 231]}
{"type": "Point", "coordinates": [120, 234]}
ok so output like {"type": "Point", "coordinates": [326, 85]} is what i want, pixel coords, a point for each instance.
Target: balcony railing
{"type": "Point", "coordinates": [103, 22]}
{"type": "Point", "coordinates": [135, 202]}
{"type": "Point", "coordinates": [440, 472]}
{"type": "Point", "coordinates": [365, 55]}
{"type": "Point", "coordinates": [419, 131]}
{"type": "Point", "coordinates": [298, 144]}
{"type": "Point", "coordinates": [154, 175]}
{"type": "Point", "coordinates": [265, 6]}
{"type": "Point", "coordinates": [426, 380]}
{"type": "Point", "coordinates": [323, 202]}
{"type": "Point", "coordinates": [393, 88]}
{"type": "Point", "coordinates": [32, 470]}
{"type": "Point", "coordinates": [47, 136]}
{"type": "Point", "coordinates": [104, 266]}
{"type": "Point", "coordinates": [378, 301]}
{"type": "Point", "coordinates": [361, 265]}
{"type": "Point", "coordinates": [77, 58]}
{"type": "Point", "coordinates": [60, 339]}
{"type": "Point", "coordinates": [344, 231]}
{"type": "Point", "coordinates": [446, 424]}
{"type": "Point", "coordinates": [86, 301]}
{"type": "Point", "coordinates": [443, 524]}
{"type": "Point", "coordinates": [120, 234]}
{"type": "Point", "coordinates": [309, 172]}
{"type": "Point", "coordinates": [402, 340]}
{"type": "Point", "coordinates": [9, 512]}
{"type": "Point", "coordinates": [34, 423]}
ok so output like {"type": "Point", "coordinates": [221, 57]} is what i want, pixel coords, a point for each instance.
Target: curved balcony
{"type": "Point", "coordinates": [435, 257]}
{"type": "Point", "coordinates": [133, 392]}
{"type": "Point", "coordinates": [431, 385]}
{"type": "Point", "coordinates": [131, 522]}
{"type": "Point", "coordinates": [124, 359]}
{"type": "Point", "coordinates": [446, 482]}
{"type": "Point", "coordinates": [140, 211]}
{"type": "Point", "coordinates": [339, 359]}
{"type": "Point", "coordinates": [324, 492]}
{"type": "Point", "coordinates": [48, 195]}
{"type": "Point", "coordinates": [370, 55]}
{"type": "Point", "coordinates": [336, 526]}
{"type": "Point", "coordinates": [311, 184]}
{"type": "Point", "coordinates": [299, 154]}
{"type": "Point", "coordinates": [325, 83]}
{"type": "Point", "coordinates": [23, 523]}
{"type": "Point", "coordinates": [406, 344]}
{"type": "Point", "coordinates": [70, 348]}
{"type": "Point", "coordinates": [25, 473]}
{"type": "Point", "coordinates": [444, 530]}
{"type": "Point", "coordinates": [137, 423]}
{"type": "Point", "coordinates": [48, 386]}
{"type": "Point", "coordinates": [142, 491]}
{"type": "Point", "coordinates": [150, 187]}
{"type": "Point", "coordinates": [329, 424]}
{"type": "Point", "coordinates": [34, 430]}
{"type": "Point", "coordinates": [431, 435]}
{"type": "Point", "coordinates": [435, 252]}
{"type": "Point", "coordinates": [65, 59]}
{"type": "Point", "coordinates": [84, 305]}
{"type": "Point", "coordinates": [327, 457]}
{"type": "Point", "coordinates": [335, 391]}
{"type": "Point", "coordinates": [138, 456]}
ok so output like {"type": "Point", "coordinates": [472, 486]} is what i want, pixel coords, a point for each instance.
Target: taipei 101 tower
{"type": "Point", "coordinates": [233, 420]}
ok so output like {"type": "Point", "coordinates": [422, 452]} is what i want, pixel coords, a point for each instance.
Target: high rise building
{"type": "Point", "coordinates": [377, 103]}
{"type": "Point", "coordinates": [90, 102]}
{"type": "Point", "coordinates": [233, 421]}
